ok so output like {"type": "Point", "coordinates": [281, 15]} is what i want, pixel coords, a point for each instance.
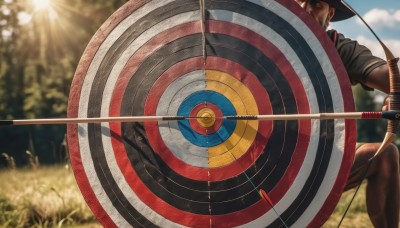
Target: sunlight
{"type": "Point", "coordinates": [44, 7]}
{"type": "Point", "coordinates": [41, 4]}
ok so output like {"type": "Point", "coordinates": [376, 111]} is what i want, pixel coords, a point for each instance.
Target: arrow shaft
{"type": "Point", "coordinates": [390, 115]}
{"type": "Point", "coordinates": [318, 116]}
{"type": "Point", "coordinates": [91, 120]}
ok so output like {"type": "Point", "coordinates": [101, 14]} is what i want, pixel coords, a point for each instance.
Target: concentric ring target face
{"type": "Point", "coordinates": [261, 57]}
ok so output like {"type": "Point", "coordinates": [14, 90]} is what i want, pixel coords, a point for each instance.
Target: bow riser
{"type": "Point", "coordinates": [394, 103]}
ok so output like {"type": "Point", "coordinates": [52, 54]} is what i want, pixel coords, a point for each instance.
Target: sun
{"type": "Point", "coordinates": [41, 4]}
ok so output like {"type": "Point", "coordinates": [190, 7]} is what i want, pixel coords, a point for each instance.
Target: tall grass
{"type": "Point", "coordinates": [357, 215]}
{"type": "Point", "coordinates": [43, 197]}
{"type": "Point", "coordinates": [49, 197]}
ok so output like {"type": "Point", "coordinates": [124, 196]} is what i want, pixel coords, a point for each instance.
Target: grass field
{"type": "Point", "coordinates": [49, 197]}
{"type": "Point", "coordinates": [45, 197]}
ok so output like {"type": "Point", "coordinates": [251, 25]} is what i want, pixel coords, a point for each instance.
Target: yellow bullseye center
{"type": "Point", "coordinates": [207, 117]}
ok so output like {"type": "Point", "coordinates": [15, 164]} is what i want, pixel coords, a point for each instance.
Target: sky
{"type": "Point", "coordinates": [383, 16]}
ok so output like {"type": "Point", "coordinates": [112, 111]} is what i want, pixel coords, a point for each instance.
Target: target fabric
{"type": "Point", "coordinates": [160, 58]}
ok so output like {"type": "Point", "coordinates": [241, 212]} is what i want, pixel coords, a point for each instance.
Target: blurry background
{"type": "Point", "coordinates": [41, 42]}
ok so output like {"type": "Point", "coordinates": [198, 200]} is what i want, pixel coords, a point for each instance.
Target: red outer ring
{"type": "Point", "coordinates": [76, 162]}
{"type": "Point", "coordinates": [73, 108]}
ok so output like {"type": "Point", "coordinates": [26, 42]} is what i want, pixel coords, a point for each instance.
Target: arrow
{"type": "Point", "coordinates": [390, 115]}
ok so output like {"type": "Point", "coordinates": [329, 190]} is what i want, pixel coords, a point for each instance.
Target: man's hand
{"type": "Point", "coordinates": [385, 106]}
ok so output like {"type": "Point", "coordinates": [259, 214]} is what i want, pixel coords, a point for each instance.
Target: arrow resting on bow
{"type": "Point", "coordinates": [389, 115]}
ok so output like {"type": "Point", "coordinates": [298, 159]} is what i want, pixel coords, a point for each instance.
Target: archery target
{"type": "Point", "coordinates": [260, 57]}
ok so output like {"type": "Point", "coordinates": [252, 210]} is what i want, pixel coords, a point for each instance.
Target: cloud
{"type": "Point", "coordinates": [381, 18]}
{"type": "Point", "coordinates": [376, 48]}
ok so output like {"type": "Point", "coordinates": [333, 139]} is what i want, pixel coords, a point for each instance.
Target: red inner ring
{"type": "Point", "coordinates": [201, 129]}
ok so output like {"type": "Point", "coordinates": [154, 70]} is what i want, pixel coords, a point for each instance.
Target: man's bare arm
{"type": "Point", "coordinates": [379, 79]}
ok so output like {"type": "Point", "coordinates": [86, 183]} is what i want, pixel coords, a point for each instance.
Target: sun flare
{"type": "Point", "coordinates": [41, 4]}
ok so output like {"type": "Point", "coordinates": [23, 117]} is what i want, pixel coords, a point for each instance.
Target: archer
{"type": "Point", "coordinates": [382, 172]}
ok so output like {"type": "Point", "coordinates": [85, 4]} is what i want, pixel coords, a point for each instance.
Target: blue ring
{"type": "Point", "coordinates": [227, 126]}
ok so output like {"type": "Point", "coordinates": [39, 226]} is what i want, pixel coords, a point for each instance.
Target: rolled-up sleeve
{"type": "Point", "coordinates": [357, 59]}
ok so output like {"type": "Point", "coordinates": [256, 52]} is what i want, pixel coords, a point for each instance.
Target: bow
{"type": "Point", "coordinates": [394, 103]}
{"type": "Point", "coordinates": [394, 95]}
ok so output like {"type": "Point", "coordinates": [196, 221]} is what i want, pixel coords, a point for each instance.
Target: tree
{"type": "Point", "coordinates": [39, 52]}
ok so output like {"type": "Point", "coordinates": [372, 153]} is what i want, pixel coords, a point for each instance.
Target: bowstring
{"type": "Point", "coordinates": [355, 193]}
{"type": "Point", "coordinates": [389, 55]}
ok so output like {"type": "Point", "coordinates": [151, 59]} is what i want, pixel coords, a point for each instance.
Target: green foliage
{"type": "Point", "coordinates": [38, 58]}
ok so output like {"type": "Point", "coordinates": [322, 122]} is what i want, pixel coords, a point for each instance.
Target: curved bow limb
{"type": "Point", "coordinates": [389, 138]}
